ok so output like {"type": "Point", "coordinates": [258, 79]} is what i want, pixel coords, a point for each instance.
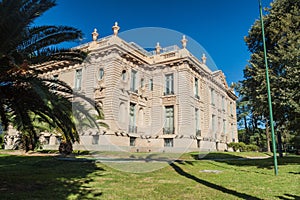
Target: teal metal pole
{"type": "Point", "coordinates": [269, 91]}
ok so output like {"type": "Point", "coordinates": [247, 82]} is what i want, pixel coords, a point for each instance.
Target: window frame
{"type": "Point", "coordinates": [95, 139]}
{"type": "Point", "coordinates": [169, 120]}
{"type": "Point", "coordinates": [213, 123]}
{"type": "Point", "coordinates": [133, 81]}
{"type": "Point", "coordinates": [132, 141]}
{"type": "Point", "coordinates": [169, 84]}
{"type": "Point", "coordinates": [124, 75]}
{"type": "Point", "coordinates": [151, 84]}
{"type": "Point", "coordinates": [196, 88]}
{"type": "Point", "coordinates": [100, 75]}
{"type": "Point", "coordinates": [132, 118]}
{"type": "Point", "coordinates": [197, 121]}
{"type": "Point", "coordinates": [168, 142]}
{"type": "Point", "coordinates": [212, 96]}
{"type": "Point", "coordinates": [78, 79]}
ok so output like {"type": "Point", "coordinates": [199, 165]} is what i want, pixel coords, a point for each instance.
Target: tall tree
{"type": "Point", "coordinates": [282, 32]}
{"type": "Point", "coordinates": [249, 121]}
{"type": "Point", "coordinates": [24, 94]}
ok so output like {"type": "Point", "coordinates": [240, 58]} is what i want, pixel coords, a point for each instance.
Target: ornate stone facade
{"type": "Point", "coordinates": [161, 101]}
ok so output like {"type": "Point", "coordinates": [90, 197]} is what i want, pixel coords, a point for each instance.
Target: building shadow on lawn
{"type": "Point", "coordinates": [211, 185]}
{"type": "Point", "coordinates": [241, 161]}
{"type": "Point", "coordinates": [35, 177]}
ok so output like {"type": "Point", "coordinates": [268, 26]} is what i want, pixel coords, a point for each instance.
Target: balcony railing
{"type": "Point", "coordinates": [198, 132]}
{"type": "Point", "coordinates": [132, 129]}
{"type": "Point", "coordinates": [169, 130]}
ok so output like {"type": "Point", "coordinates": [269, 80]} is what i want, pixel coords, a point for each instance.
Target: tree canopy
{"type": "Point", "coordinates": [25, 95]}
{"type": "Point", "coordinates": [282, 34]}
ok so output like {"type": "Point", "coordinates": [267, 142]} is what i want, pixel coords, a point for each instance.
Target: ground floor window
{"type": "Point", "coordinates": [132, 141]}
{"type": "Point", "coordinates": [168, 142]}
{"type": "Point", "coordinates": [169, 120]}
{"type": "Point", "coordinates": [95, 139]}
{"type": "Point", "coordinates": [198, 143]}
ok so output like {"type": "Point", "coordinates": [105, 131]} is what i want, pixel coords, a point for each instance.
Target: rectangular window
{"type": "Point", "coordinates": [223, 103]}
{"type": "Point", "coordinates": [212, 96]}
{"type": "Point", "coordinates": [232, 133]}
{"type": "Point", "coordinates": [198, 143]}
{"type": "Point", "coordinates": [95, 139]}
{"type": "Point", "coordinates": [78, 79]}
{"type": "Point", "coordinates": [133, 81]}
{"type": "Point", "coordinates": [168, 142]}
{"type": "Point", "coordinates": [132, 141]}
{"type": "Point", "coordinates": [224, 126]}
{"type": "Point", "coordinates": [132, 118]}
{"type": "Point", "coordinates": [169, 120]}
{"type": "Point", "coordinates": [196, 88]}
{"type": "Point", "coordinates": [142, 83]}
{"type": "Point", "coordinates": [213, 123]}
{"type": "Point", "coordinates": [197, 122]}
{"type": "Point", "coordinates": [231, 109]}
{"type": "Point", "coordinates": [101, 73]}
{"type": "Point", "coordinates": [151, 84]}
{"type": "Point", "coordinates": [169, 89]}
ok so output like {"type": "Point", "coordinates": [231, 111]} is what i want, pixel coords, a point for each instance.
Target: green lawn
{"type": "Point", "coordinates": [47, 177]}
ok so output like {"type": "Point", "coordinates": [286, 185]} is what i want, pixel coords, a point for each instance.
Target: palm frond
{"type": "Point", "coordinates": [28, 101]}
{"type": "Point", "coordinates": [38, 38]}
{"type": "Point", "coordinates": [15, 17]}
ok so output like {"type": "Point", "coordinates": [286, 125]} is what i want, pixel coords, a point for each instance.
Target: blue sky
{"type": "Point", "coordinates": [217, 25]}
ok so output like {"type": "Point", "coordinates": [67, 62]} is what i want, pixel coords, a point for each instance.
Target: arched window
{"type": "Point", "coordinates": [124, 77]}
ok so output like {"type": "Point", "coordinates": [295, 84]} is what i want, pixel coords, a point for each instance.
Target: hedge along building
{"type": "Point", "coordinates": [165, 100]}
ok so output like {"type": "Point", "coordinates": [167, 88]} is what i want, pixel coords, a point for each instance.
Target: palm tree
{"type": "Point", "coordinates": [24, 93]}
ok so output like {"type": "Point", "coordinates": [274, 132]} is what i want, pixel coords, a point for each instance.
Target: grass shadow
{"type": "Point", "coordinates": [211, 185]}
{"type": "Point", "coordinates": [289, 197]}
{"type": "Point", "coordinates": [236, 160]}
{"type": "Point", "coordinates": [267, 163]}
{"type": "Point", "coordinates": [215, 156]}
{"type": "Point", "coordinates": [31, 177]}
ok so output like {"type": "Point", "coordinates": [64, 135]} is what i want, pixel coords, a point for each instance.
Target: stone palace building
{"type": "Point", "coordinates": [161, 101]}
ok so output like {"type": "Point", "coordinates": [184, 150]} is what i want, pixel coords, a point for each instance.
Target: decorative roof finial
{"type": "Point", "coordinates": [203, 58]}
{"type": "Point", "coordinates": [157, 48]}
{"type": "Point", "coordinates": [95, 34]}
{"type": "Point", "coordinates": [116, 28]}
{"type": "Point", "coordinates": [183, 41]}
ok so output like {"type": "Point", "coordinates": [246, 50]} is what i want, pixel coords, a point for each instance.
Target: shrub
{"type": "Point", "coordinates": [234, 146]}
{"type": "Point", "coordinates": [241, 146]}
{"type": "Point", "coordinates": [251, 147]}
{"type": "Point", "coordinates": [1, 140]}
